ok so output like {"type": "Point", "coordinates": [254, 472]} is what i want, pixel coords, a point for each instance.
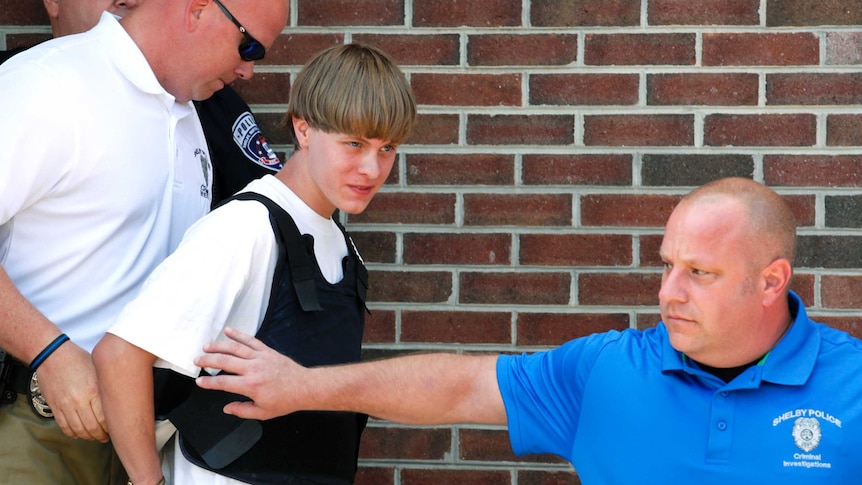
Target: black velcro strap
{"type": "Point", "coordinates": [301, 265]}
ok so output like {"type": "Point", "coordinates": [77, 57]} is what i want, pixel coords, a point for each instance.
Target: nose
{"type": "Point", "coordinates": [672, 286]}
{"type": "Point", "coordinates": [369, 165]}
{"type": "Point", "coordinates": [245, 70]}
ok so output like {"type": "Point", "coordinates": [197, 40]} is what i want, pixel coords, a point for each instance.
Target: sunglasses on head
{"type": "Point", "coordinates": [249, 49]}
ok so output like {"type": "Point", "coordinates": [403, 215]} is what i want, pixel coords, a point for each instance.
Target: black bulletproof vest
{"type": "Point", "coordinates": [313, 322]}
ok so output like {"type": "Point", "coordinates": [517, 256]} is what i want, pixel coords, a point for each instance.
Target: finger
{"type": "Point", "coordinates": [246, 410]}
{"type": "Point", "coordinates": [79, 430]}
{"type": "Point", "coordinates": [225, 362]}
{"type": "Point", "coordinates": [97, 425]}
{"type": "Point", "coordinates": [244, 338]}
{"type": "Point", "coordinates": [221, 383]}
{"type": "Point", "coordinates": [63, 423]}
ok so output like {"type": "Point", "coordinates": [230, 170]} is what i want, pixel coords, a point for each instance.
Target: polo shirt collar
{"type": "Point", "coordinates": [790, 362]}
{"type": "Point", "coordinates": [127, 56]}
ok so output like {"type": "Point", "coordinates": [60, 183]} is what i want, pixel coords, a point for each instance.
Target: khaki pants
{"type": "Point", "coordinates": [33, 451]}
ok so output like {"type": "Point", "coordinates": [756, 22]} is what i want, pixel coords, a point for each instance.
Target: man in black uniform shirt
{"type": "Point", "coordinates": [239, 151]}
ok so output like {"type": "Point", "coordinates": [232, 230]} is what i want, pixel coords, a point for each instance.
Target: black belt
{"type": "Point", "coordinates": [17, 378]}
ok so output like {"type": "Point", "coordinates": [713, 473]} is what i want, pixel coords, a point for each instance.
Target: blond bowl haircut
{"type": "Point", "coordinates": [771, 223]}
{"type": "Point", "coordinates": [353, 89]}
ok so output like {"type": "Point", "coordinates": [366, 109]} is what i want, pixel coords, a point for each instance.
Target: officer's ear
{"type": "Point", "coordinates": [776, 279]}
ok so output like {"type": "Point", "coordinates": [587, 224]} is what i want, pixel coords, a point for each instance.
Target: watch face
{"type": "Point", "coordinates": [37, 400]}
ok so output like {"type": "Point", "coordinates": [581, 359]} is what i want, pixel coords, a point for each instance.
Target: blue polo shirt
{"type": "Point", "coordinates": [626, 408]}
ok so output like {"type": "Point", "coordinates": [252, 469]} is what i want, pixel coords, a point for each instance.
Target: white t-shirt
{"type": "Point", "coordinates": [219, 276]}
{"type": "Point", "coordinates": [101, 172]}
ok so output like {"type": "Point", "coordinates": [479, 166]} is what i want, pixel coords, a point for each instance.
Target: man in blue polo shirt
{"type": "Point", "coordinates": [735, 385]}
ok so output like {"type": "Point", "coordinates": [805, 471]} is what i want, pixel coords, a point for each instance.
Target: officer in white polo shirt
{"type": "Point", "coordinates": [104, 166]}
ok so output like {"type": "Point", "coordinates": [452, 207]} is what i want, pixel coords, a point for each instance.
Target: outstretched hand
{"type": "Point", "coordinates": [255, 370]}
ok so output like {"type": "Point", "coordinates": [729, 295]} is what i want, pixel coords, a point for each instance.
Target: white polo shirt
{"type": "Point", "coordinates": [101, 173]}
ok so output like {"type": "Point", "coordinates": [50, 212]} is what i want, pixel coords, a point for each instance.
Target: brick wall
{"type": "Point", "coordinates": [555, 136]}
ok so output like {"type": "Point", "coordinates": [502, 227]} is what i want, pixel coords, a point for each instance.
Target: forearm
{"type": "Point", "coordinates": [25, 331]}
{"type": "Point", "coordinates": [126, 386]}
{"type": "Point", "coordinates": [416, 389]}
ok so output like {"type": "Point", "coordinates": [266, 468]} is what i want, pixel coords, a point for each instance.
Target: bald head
{"type": "Point", "coordinates": [768, 226]}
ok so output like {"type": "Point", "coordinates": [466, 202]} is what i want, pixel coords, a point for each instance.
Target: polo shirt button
{"type": "Point", "coordinates": [724, 393]}
{"type": "Point", "coordinates": [722, 426]}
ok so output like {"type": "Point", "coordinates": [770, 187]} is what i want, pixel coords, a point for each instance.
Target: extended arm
{"type": "Point", "coordinates": [126, 383]}
{"type": "Point", "coordinates": [67, 377]}
{"type": "Point", "coordinates": [415, 389]}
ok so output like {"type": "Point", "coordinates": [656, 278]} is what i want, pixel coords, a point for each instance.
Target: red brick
{"type": "Point", "coordinates": [422, 476]}
{"type": "Point", "coordinates": [527, 50]}
{"type": "Point", "coordinates": [844, 130]}
{"type": "Point", "coordinates": [704, 12]}
{"type": "Point", "coordinates": [379, 327]}
{"type": "Point", "coordinates": [493, 445]}
{"type": "Point", "coordinates": [639, 130]}
{"type": "Point", "coordinates": [812, 12]}
{"type": "Point", "coordinates": [719, 89]}
{"type": "Point", "coordinates": [587, 169]}
{"type": "Point", "coordinates": [375, 247]}
{"type": "Point", "coordinates": [456, 327]}
{"type": "Point", "coordinates": [265, 87]}
{"type": "Point", "coordinates": [759, 49]}
{"type": "Point", "coordinates": [812, 170]}
{"type": "Point", "coordinates": [576, 249]}
{"type": "Point", "coordinates": [410, 286]}
{"type": "Point", "coordinates": [405, 443]}
{"type": "Point", "coordinates": [297, 49]}
{"type": "Point", "coordinates": [814, 88]}
{"type": "Point", "coordinates": [803, 208]}
{"type": "Point", "coordinates": [477, 13]}
{"type": "Point", "coordinates": [842, 48]}
{"type": "Point", "coordinates": [851, 325]}
{"type": "Point", "coordinates": [547, 477]}
{"type": "Point", "coordinates": [435, 129]}
{"type": "Point", "coordinates": [517, 209]}
{"type": "Point", "coordinates": [467, 89]}
{"type": "Point", "coordinates": [14, 41]}
{"type": "Point", "coordinates": [460, 169]}
{"type": "Point", "coordinates": [17, 12]}
{"type": "Point", "coordinates": [647, 320]}
{"type": "Point", "coordinates": [760, 130]}
{"type": "Point", "coordinates": [584, 89]}
{"type": "Point", "coordinates": [552, 329]}
{"type": "Point", "coordinates": [375, 475]}
{"type": "Point", "coordinates": [618, 288]}
{"type": "Point", "coordinates": [616, 210]}
{"type": "Point", "coordinates": [582, 13]}
{"type": "Point", "coordinates": [408, 208]}
{"type": "Point", "coordinates": [411, 49]}
{"type": "Point", "coordinates": [650, 245]}
{"type": "Point", "coordinates": [803, 285]}
{"type": "Point", "coordinates": [271, 125]}
{"type": "Point", "coordinates": [639, 49]}
{"type": "Point", "coordinates": [463, 249]}
{"type": "Point", "coordinates": [841, 291]}
{"type": "Point", "coordinates": [515, 288]}
{"type": "Point", "coordinates": [520, 129]}
{"type": "Point", "coordinates": [350, 12]}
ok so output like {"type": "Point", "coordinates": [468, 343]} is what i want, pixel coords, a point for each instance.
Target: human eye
{"type": "Point", "coordinates": [353, 143]}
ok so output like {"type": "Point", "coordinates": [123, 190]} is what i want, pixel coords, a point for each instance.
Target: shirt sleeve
{"type": "Point", "coordinates": [543, 392]}
{"type": "Point", "coordinates": [38, 133]}
{"type": "Point", "coordinates": [219, 276]}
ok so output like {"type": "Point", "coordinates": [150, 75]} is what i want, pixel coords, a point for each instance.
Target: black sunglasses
{"type": "Point", "coordinates": [249, 49]}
